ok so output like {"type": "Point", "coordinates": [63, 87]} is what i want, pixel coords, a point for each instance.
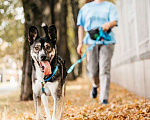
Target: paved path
{"type": "Point", "coordinates": [8, 87]}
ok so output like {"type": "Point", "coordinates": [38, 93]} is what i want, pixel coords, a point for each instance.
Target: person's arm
{"type": "Point", "coordinates": [80, 38]}
{"type": "Point", "coordinates": [109, 25]}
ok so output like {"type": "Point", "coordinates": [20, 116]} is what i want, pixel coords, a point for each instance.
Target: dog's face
{"type": "Point", "coordinates": [42, 48]}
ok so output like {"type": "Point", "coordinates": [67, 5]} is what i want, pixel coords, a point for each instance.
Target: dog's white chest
{"type": "Point", "coordinates": [50, 87]}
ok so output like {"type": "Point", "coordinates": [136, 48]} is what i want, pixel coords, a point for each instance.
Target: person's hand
{"type": "Point", "coordinates": [79, 49]}
{"type": "Point", "coordinates": [106, 27]}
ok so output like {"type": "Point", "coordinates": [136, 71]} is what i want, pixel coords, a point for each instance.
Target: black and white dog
{"type": "Point", "coordinates": [45, 60]}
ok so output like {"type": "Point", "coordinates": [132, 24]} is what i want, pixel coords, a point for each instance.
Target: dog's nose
{"type": "Point", "coordinates": [43, 57]}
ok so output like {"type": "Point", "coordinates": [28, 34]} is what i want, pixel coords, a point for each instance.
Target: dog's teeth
{"type": "Point", "coordinates": [43, 24]}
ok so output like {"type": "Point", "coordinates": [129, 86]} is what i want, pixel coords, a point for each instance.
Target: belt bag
{"type": "Point", "coordinates": [94, 33]}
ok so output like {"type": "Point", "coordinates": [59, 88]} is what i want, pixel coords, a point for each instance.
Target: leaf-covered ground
{"type": "Point", "coordinates": [79, 106]}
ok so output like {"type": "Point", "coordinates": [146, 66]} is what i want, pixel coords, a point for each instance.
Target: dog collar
{"type": "Point", "coordinates": [49, 79]}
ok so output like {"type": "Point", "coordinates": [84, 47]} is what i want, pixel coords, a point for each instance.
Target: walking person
{"type": "Point", "coordinates": [95, 15]}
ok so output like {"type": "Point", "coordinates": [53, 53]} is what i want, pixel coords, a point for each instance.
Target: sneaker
{"type": "Point", "coordinates": [104, 102]}
{"type": "Point", "coordinates": [94, 92]}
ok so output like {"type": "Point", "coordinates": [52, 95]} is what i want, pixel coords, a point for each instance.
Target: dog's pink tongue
{"type": "Point", "coordinates": [47, 67]}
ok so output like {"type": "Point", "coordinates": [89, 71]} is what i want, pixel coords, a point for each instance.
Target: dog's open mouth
{"type": "Point", "coordinates": [45, 67]}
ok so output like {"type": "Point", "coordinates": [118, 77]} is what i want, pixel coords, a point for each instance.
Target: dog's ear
{"type": "Point", "coordinates": [52, 33]}
{"type": "Point", "coordinates": [33, 34]}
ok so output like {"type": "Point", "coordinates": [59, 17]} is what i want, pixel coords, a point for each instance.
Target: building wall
{"type": "Point", "coordinates": [131, 60]}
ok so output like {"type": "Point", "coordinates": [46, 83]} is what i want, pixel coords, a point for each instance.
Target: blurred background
{"type": "Point", "coordinates": [130, 64]}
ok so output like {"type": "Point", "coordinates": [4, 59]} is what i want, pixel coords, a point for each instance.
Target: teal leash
{"type": "Point", "coordinates": [103, 35]}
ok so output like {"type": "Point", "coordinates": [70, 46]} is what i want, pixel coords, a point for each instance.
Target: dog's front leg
{"type": "Point", "coordinates": [58, 108]}
{"type": "Point", "coordinates": [58, 96]}
{"type": "Point", "coordinates": [45, 103]}
{"type": "Point", "coordinates": [37, 103]}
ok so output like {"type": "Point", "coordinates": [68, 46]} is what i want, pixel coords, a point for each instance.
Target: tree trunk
{"type": "Point", "coordinates": [26, 84]}
{"type": "Point", "coordinates": [63, 50]}
{"type": "Point", "coordinates": [75, 10]}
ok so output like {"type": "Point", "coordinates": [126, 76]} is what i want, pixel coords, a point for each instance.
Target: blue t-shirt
{"type": "Point", "coordinates": [93, 15]}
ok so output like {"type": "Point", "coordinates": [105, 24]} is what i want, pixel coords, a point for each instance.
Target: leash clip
{"type": "Point", "coordinates": [43, 90]}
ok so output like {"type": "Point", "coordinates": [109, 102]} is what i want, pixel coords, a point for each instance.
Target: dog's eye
{"type": "Point", "coordinates": [36, 48]}
{"type": "Point", "coordinates": [48, 47]}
